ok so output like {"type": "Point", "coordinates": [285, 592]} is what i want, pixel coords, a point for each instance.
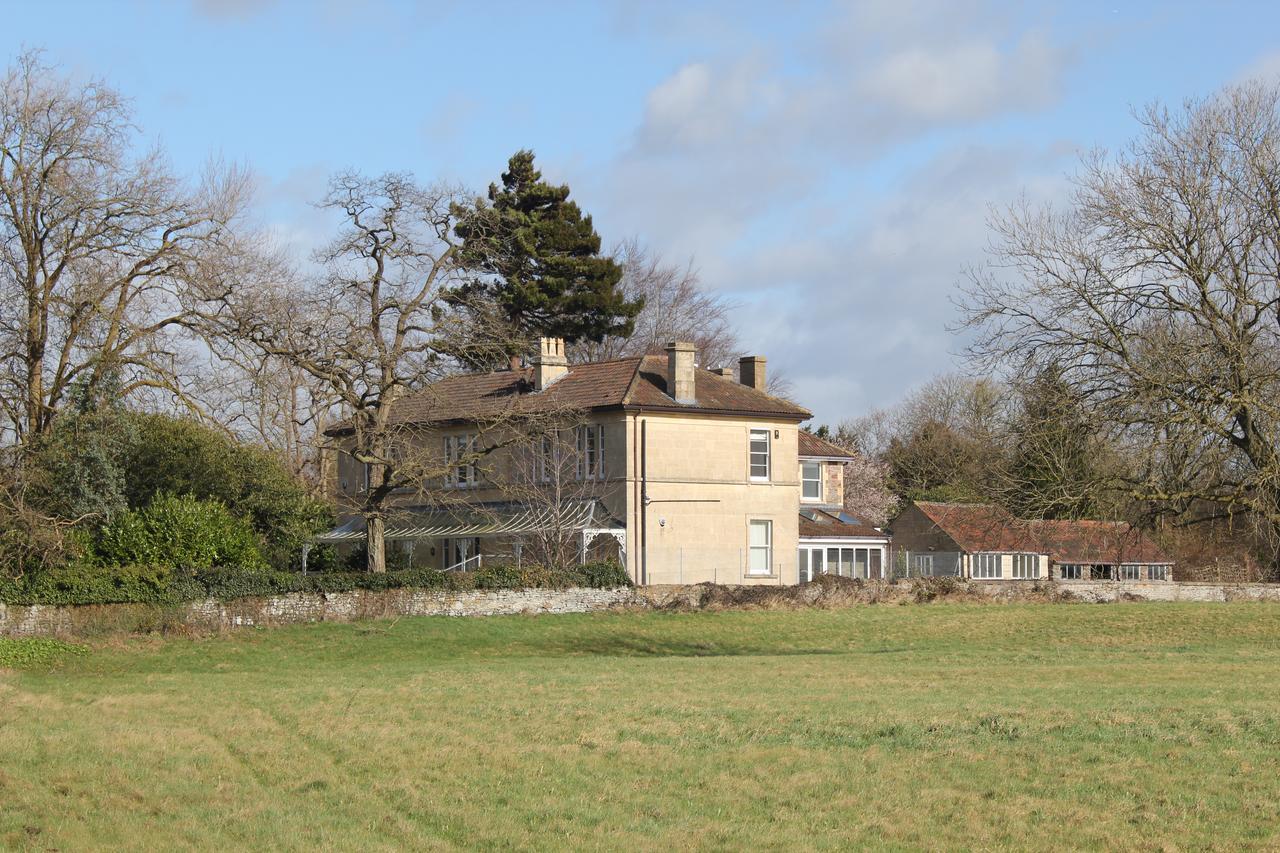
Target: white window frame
{"type": "Point", "coordinates": [1130, 572]}
{"type": "Point", "coordinates": [766, 549]}
{"type": "Point", "coordinates": [923, 564]}
{"type": "Point", "coordinates": [546, 458]}
{"type": "Point", "coordinates": [459, 549]}
{"type": "Point", "coordinates": [987, 566]}
{"type": "Point", "coordinates": [458, 474]}
{"type": "Point", "coordinates": [589, 441]}
{"type": "Point", "coordinates": [805, 481]}
{"type": "Point", "coordinates": [1071, 571]}
{"type": "Point", "coordinates": [1026, 567]}
{"type": "Point", "coordinates": [1163, 570]}
{"type": "Point", "coordinates": [768, 455]}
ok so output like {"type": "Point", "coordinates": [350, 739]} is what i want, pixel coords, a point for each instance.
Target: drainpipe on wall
{"type": "Point", "coordinates": [644, 503]}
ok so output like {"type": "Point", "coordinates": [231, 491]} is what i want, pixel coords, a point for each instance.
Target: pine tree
{"type": "Point", "coordinates": [537, 259]}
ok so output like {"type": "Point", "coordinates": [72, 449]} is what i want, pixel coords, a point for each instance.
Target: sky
{"type": "Point", "coordinates": [828, 167]}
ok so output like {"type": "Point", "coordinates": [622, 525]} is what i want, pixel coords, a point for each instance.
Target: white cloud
{"type": "Point", "coordinates": [966, 81]}
{"type": "Point", "coordinates": [1265, 67]}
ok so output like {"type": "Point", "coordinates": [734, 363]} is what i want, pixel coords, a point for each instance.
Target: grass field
{"type": "Point", "coordinates": [1132, 725]}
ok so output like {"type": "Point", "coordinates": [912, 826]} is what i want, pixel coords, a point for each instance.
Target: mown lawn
{"type": "Point", "coordinates": [1136, 725]}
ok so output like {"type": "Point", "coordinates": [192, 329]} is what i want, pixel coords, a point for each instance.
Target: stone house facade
{"type": "Point", "coordinates": [684, 474]}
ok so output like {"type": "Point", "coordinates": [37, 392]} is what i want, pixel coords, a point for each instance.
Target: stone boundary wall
{"type": "Point", "coordinates": [1169, 591]}
{"type": "Point", "coordinates": [212, 615]}
{"type": "Point", "coordinates": [291, 608]}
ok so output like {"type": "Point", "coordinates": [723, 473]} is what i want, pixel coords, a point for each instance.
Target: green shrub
{"type": "Point", "coordinates": [180, 532]}
{"type": "Point", "coordinates": [605, 574]}
{"type": "Point", "coordinates": [84, 583]}
{"type": "Point", "coordinates": [33, 652]}
{"type": "Point", "coordinates": [498, 576]}
{"type": "Point", "coordinates": [180, 456]}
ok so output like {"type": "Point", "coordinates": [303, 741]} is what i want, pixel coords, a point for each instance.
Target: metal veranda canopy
{"type": "Point", "coordinates": [491, 520]}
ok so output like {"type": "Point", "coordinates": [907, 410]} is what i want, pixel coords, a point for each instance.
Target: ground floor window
{"type": "Point", "coordinates": [760, 547]}
{"type": "Point", "coordinates": [1158, 573]}
{"type": "Point", "coordinates": [1026, 566]}
{"type": "Point", "coordinates": [923, 564]}
{"type": "Point", "coordinates": [1102, 573]}
{"type": "Point", "coordinates": [461, 554]}
{"type": "Point", "coordinates": [1071, 572]}
{"type": "Point", "coordinates": [986, 566]}
{"type": "Point", "coordinates": [845, 561]}
{"type": "Point", "coordinates": [1131, 573]}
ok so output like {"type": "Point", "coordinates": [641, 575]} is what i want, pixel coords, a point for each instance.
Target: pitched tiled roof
{"type": "Point", "coordinates": [985, 527]}
{"type": "Point", "coordinates": [811, 445]}
{"type": "Point", "coordinates": [826, 525]}
{"type": "Point", "coordinates": [638, 382]}
{"type": "Point", "coordinates": [1110, 542]}
{"type": "Point", "coordinates": [977, 527]}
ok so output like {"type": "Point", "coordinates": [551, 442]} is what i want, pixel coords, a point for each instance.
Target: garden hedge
{"type": "Point", "coordinates": [77, 584]}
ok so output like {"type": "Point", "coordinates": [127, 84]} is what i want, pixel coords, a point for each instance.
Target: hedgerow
{"type": "Point", "coordinates": [83, 584]}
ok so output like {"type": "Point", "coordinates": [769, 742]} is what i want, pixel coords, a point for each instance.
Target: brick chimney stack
{"type": "Point", "coordinates": [550, 362]}
{"type": "Point", "coordinates": [680, 372]}
{"type": "Point", "coordinates": [726, 372]}
{"type": "Point", "coordinates": [751, 371]}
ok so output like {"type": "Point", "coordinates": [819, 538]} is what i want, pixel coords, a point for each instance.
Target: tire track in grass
{"type": "Point", "coordinates": [390, 803]}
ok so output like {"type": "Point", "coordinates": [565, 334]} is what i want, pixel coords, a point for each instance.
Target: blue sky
{"type": "Point", "coordinates": [828, 166]}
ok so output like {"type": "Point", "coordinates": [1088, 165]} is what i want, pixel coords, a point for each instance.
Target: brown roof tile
{"type": "Point", "coordinates": [985, 527]}
{"type": "Point", "coordinates": [812, 445]}
{"type": "Point", "coordinates": [1111, 542]}
{"type": "Point", "coordinates": [638, 382]}
{"type": "Point", "coordinates": [976, 527]}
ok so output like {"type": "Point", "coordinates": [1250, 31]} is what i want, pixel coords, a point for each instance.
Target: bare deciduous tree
{"type": "Point", "coordinates": [1157, 296]}
{"type": "Point", "coordinates": [372, 328]}
{"type": "Point", "coordinates": [551, 473]}
{"type": "Point", "coordinates": [676, 308]}
{"type": "Point", "coordinates": [102, 254]}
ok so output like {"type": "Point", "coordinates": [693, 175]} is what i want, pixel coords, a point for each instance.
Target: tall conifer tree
{"type": "Point", "coordinates": [537, 259]}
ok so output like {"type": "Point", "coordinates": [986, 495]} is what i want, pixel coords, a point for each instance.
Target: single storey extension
{"type": "Point", "coordinates": [985, 542]}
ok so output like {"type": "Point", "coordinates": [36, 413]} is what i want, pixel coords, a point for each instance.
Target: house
{"type": "Point", "coordinates": [684, 474]}
{"type": "Point", "coordinates": [832, 540]}
{"type": "Point", "coordinates": [984, 542]}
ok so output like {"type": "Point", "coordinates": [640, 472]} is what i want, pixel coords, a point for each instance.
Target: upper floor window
{"type": "Point", "coordinates": [459, 455]}
{"type": "Point", "coordinates": [759, 454]}
{"type": "Point", "coordinates": [590, 439]}
{"type": "Point", "coordinates": [811, 481]}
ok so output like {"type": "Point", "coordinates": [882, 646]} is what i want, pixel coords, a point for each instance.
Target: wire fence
{"type": "Point", "coordinates": [925, 564]}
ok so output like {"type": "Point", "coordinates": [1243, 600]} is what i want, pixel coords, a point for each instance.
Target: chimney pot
{"type": "Point", "coordinates": [550, 363]}
{"type": "Point", "coordinates": [680, 382]}
{"type": "Point", "coordinates": [751, 371]}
